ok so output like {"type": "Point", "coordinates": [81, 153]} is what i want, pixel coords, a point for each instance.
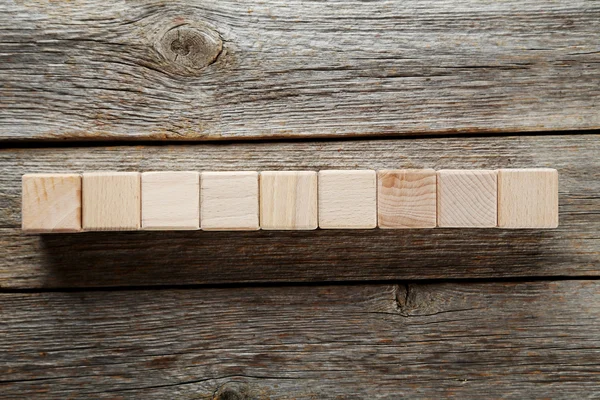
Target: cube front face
{"type": "Point", "coordinates": [111, 201]}
{"type": "Point", "coordinates": [229, 200]}
{"type": "Point", "coordinates": [288, 200]}
{"type": "Point", "coordinates": [528, 198]}
{"type": "Point", "coordinates": [467, 198]}
{"type": "Point", "coordinates": [170, 200]}
{"type": "Point", "coordinates": [407, 199]}
{"type": "Point", "coordinates": [347, 199]}
{"type": "Point", "coordinates": [51, 203]}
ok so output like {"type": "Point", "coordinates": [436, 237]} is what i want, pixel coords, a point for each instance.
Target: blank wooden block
{"type": "Point", "coordinates": [347, 199]}
{"type": "Point", "coordinates": [230, 201]}
{"type": "Point", "coordinates": [467, 198]}
{"type": "Point", "coordinates": [51, 203]}
{"type": "Point", "coordinates": [407, 198]}
{"type": "Point", "coordinates": [528, 198]}
{"type": "Point", "coordinates": [111, 201]}
{"type": "Point", "coordinates": [288, 200]}
{"type": "Point", "coordinates": [171, 200]}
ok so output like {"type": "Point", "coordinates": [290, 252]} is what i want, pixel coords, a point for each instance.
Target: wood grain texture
{"type": "Point", "coordinates": [467, 198]}
{"type": "Point", "coordinates": [51, 203]}
{"type": "Point", "coordinates": [111, 201]}
{"type": "Point", "coordinates": [407, 198]}
{"type": "Point", "coordinates": [288, 200]}
{"type": "Point", "coordinates": [528, 198]}
{"type": "Point", "coordinates": [507, 340]}
{"type": "Point", "coordinates": [230, 200]}
{"type": "Point", "coordinates": [347, 199]}
{"type": "Point", "coordinates": [200, 69]}
{"type": "Point", "coordinates": [171, 200]}
{"type": "Point", "coordinates": [123, 259]}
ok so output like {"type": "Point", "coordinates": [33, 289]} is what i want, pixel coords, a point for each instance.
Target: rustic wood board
{"type": "Point", "coordinates": [123, 259]}
{"type": "Point", "coordinates": [506, 340]}
{"type": "Point", "coordinates": [290, 68]}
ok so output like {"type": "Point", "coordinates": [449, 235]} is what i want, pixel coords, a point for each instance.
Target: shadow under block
{"type": "Point", "coordinates": [347, 199]}
{"type": "Point", "coordinates": [229, 201]}
{"type": "Point", "coordinates": [288, 200]}
{"type": "Point", "coordinates": [528, 198]}
{"type": "Point", "coordinates": [111, 201]}
{"type": "Point", "coordinates": [171, 200]}
{"type": "Point", "coordinates": [407, 198]}
{"type": "Point", "coordinates": [51, 203]}
{"type": "Point", "coordinates": [467, 198]}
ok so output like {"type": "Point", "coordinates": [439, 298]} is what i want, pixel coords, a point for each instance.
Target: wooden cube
{"type": "Point", "coordinates": [347, 199]}
{"type": "Point", "coordinates": [467, 198]}
{"type": "Point", "coordinates": [171, 200]}
{"type": "Point", "coordinates": [407, 198]}
{"type": "Point", "coordinates": [528, 198]}
{"type": "Point", "coordinates": [288, 200]}
{"type": "Point", "coordinates": [229, 201]}
{"type": "Point", "coordinates": [111, 201]}
{"type": "Point", "coordinates": [51, 203]}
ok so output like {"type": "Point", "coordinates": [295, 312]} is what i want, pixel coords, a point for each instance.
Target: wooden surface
{"type": "Point", "coordinates": [570, 250]}
{"type": "Point", "coordinates": [507, 340]}
{"type": "Point", "coordinates": [230, 200]}
{"type": "Point", "coordinates": [325, 314]}
{"type": "Point", "coordinates": [51, 203]}
{"type": "Point", "coordinates": [467, 198]}
{"type": "Point", "coordinates": [288, 200]}
{"type": "Point", "coordinates": [170, 200]}
{"type": "Point", "coordinates": [528, 198]}
{"type": "Point", "coordinates": [407, 198]}
{"type": "Point", "coordinates": [347, 199]}
{"type": "Point", "coordinates": [203, 69]}
{"type": "Point", "coordinates": [111, 201]}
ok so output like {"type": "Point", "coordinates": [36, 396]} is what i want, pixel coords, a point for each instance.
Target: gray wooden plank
{"type": "Point", "coordinates": [288, 68]}
{"type": "Point", "coordinates": [157, 258]}
{"type": "Point", "coordinates": [466, 340]}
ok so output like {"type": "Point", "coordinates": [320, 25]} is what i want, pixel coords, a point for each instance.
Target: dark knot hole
{"type": "Point", "coordinates": [181, 46]}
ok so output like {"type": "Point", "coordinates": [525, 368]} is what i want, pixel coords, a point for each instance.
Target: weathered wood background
{"type": "Point", "coordinates": [201, 69]}
{"type": "Point", "coordinates": [301, 315]}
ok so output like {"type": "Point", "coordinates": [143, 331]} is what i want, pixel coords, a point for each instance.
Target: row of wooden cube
{"type": "Point", "coordinates": [290, 200]}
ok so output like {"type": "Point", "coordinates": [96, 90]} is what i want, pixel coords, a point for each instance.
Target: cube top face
{"type": "Point", "coordinates": [170, 200]}
{"type": "Point", "coordinates": [229, 201]}
{"type": "Point", "coordinates": [288, 200]}
{"type": "Point", "coordinates": [347, 199]}
{"type": "Point", "coordinates": [407, 198]}
{"type": "Point", "coordinates": [51, 203]}
{"type": "Point", "coordinates": [527, 198]}
{"type": "Point", "coordinates": [111, 201]}
{"type": "Point", "coordinates": [467, 198]}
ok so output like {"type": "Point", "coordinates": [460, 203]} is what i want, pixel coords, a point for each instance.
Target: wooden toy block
{"type": "Point", "coordinates": [407, 198]}
{"type": "Point", "coordinates": [288, 200]}
{"type": "Point", "coordinates": [111, 201]}
{"type": "Point", "coordinates": [51, 203]}
{"type": "Point", "coordinates": [528, 198]}
{"type": "Point", "coordinates": [347, 199]}
{"type": "Point", "coordinates": [171, 200]}
{"type": "Point", "coordinates": [467, 198]}
{"type": "Point", "coordinates": [229, 201]}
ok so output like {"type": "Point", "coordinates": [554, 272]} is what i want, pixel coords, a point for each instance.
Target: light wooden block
{"type": "Point", "coordinates": [111, 201]}
{"type": "Point", "coordinates": [229, 201]}
{"type": "Point", "coordinates": [288, 200]}
{"type": "Point", "coordinates": [407, 198]}
{"type": "Point", "coordinates": [528, 198]}
{"type": "Point", "coordinates": [171, 200]}
{"type": "Point", "coordinates": [347, 199]}
{"type": "Point", "coordinates": [51, 203]}
{"type": "Point", "coordinates": [467, 198]}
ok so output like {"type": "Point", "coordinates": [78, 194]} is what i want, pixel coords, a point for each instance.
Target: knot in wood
{"type": "Point", "coordinates": [189, 49]}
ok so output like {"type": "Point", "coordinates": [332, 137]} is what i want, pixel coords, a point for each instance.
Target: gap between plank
{"type": "Point", "coordinates": [458, 281]}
